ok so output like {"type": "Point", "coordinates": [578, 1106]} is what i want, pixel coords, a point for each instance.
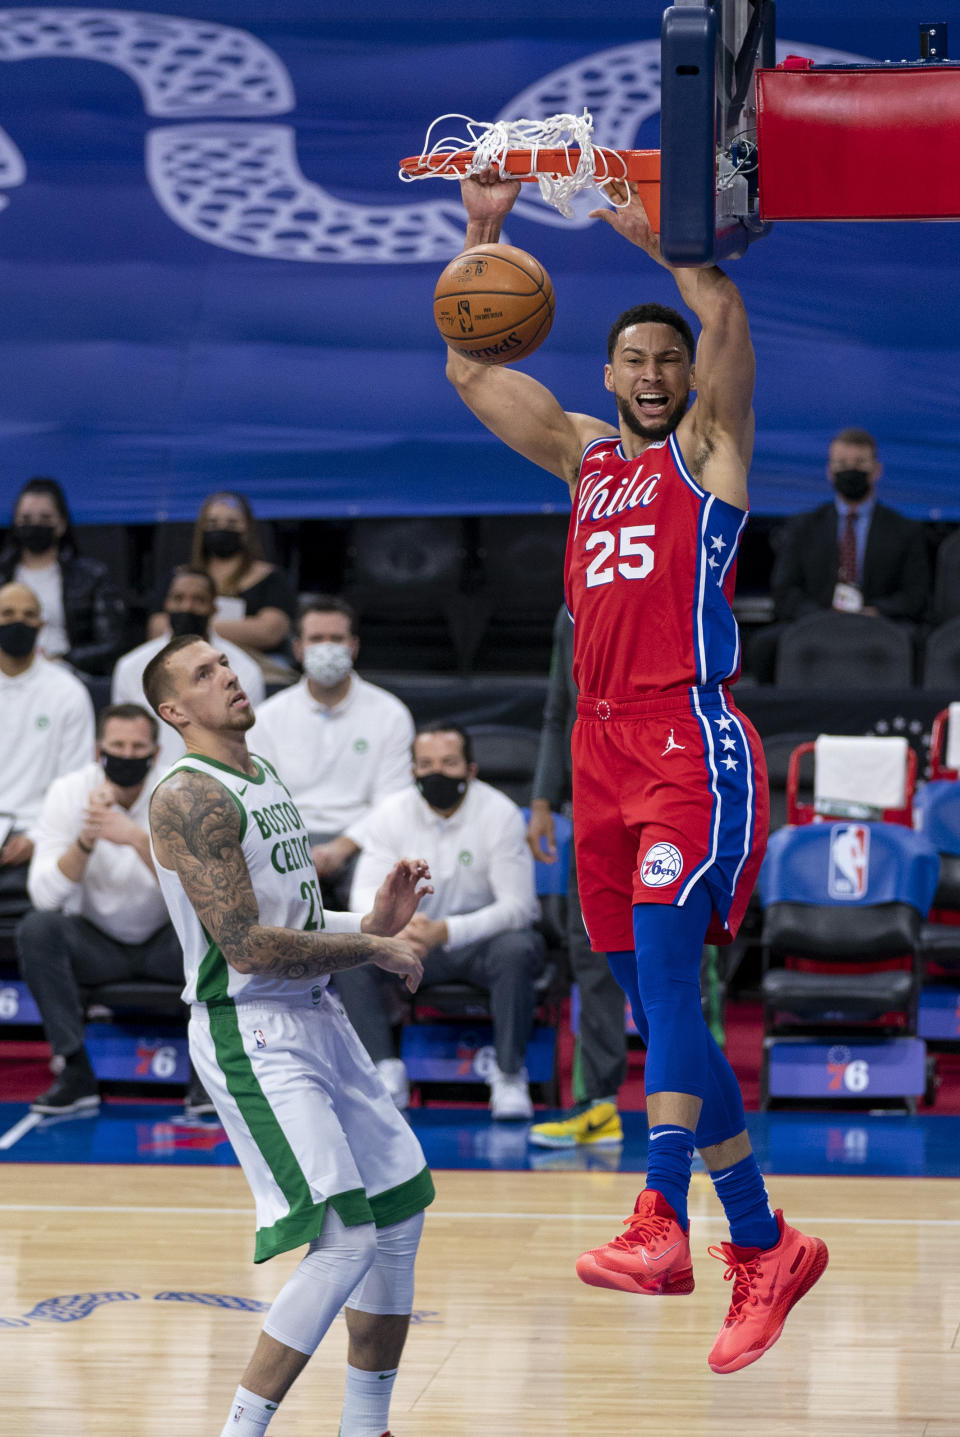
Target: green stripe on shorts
{"type": "Point", "coordinates": [404, 1200]}
{"type": "Point", "coordinates": [304, 1221]}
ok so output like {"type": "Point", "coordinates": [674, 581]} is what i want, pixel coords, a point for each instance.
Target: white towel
{"type": "Point", "coordinates": [859, 777]}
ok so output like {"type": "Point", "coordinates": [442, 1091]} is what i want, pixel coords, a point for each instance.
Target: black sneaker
{"type": "Point", "coordinates": [199, 1104]}
{"type": "Point", "coordinates": [73, 1091]}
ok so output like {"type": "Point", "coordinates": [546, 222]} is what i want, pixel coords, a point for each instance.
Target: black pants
{"type": "Point", "coordinates": [504, 966]}
{"type": "Point", "coordinates": [61, 953]}
{"type": "Point", "coordinates": [602, 1046]}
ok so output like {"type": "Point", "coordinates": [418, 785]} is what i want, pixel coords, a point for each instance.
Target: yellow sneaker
{"type": "Point", "coordinates": [595, 1125]}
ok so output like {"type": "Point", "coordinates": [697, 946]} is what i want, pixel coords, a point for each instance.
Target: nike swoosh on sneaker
{"type": "Point", "coordinates": [654, 1260]}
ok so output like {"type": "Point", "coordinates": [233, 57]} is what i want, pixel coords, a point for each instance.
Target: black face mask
{"type": "Point", "coordinates": [35, 538]}
{"type": "Point", "coordinates": [441, 791]}
{"type": "Point", "coordinates": [852, 484]}
{"type": "Point", "coordinates": [18, 640]}
{"type": "Point", "coordinates": [183, 622]}
{"type": "Point", "coordinates": [126, 772]}
{"type": "Point", "coordinates": [222, 543]}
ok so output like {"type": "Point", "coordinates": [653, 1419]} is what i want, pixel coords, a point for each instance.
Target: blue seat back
{"type": "Point", "coordinates": [850, 865]}
{"type": "Point", "coordinates": [937, 814]}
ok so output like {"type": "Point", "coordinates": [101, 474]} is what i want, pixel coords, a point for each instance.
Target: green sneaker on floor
{"type": "Point", "coordinates": [595, 1125]}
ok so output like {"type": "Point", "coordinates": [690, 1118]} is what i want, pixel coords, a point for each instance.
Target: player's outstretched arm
{"type": "Point", "coordinates": [725, 366]}
{"type": "Point", "coordinates": [196, 832]}
{"type": "Point", "coordinates": [512, 405]}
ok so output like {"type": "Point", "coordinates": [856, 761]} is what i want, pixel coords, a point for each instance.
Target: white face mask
{"type": "Point", "coordinates": [327, 664]}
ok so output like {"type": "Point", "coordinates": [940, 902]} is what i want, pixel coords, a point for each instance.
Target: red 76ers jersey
{"type": "Point", "coordinates": [649, 574]}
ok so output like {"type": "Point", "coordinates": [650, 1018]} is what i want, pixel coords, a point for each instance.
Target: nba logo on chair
{"type": "Point", "coordinates": [849, 860]}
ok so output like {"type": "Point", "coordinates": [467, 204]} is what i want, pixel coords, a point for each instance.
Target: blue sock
{"type": "Point", "coordinates": [669, 1156]}
{"type": "Point", "coordinates": [742, 1192]}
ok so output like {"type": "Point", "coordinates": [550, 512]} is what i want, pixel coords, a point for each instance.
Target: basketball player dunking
{"type": "Point", "coordinates": [670, 787]}
{"type": "Point", "coordinates": [331, 1162]}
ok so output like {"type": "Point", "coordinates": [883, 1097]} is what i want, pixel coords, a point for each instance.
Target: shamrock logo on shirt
{"type": "Point", "coordinates": [465, 857]}
{"type": "Point", "coordinates": [360, 745]}
{"type": "Point", "coordinates": [43, 721]}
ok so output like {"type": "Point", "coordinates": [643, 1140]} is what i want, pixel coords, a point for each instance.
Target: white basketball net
{"type": "Point", "coordinates": [491, 140]}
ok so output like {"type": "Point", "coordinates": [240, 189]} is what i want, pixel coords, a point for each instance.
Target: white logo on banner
{"type": "Point", "coordinates": [239, 186]}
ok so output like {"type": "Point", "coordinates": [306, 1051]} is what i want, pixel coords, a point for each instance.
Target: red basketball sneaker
{"type": "Point", "coordinates": [652, 1256]}
{"type": "Point", "coordinates": [766, 1284]}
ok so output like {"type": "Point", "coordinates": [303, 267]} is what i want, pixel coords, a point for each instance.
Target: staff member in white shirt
{"type": "Point", "coordinates": [189, 606]}
{"type": "Point", "coordinates": [46, 721]}
{"type": "Point", "coordinates": [476, 926]}
{"type": "Point", "coordinates": [99, 915]}
{"type": "Point", "coordinates": [341, 743]}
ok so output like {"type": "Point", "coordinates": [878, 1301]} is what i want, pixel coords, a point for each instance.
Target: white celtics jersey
{"type": "Point", "coordinates": [276, 848]}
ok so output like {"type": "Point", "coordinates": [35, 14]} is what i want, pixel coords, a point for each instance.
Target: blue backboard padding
{"type": "Point", "coordinates": [903, 867]}
{"type": "Point", "coordinates": [145, 365]}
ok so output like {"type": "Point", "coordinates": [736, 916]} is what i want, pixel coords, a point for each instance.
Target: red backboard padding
{"type": "Point", "coordinates": [859, 144]}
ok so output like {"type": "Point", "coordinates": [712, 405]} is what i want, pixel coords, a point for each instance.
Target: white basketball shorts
{"type": "Point", "coordinates": [308, 1116]}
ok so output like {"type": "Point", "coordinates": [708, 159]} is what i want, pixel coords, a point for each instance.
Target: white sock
{"type": "Point", "coordinates": [249, 1415]}
{"type": "Point", "coordinates": [366, 1403]}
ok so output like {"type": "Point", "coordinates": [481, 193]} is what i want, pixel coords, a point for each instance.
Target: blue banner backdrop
{"type": "Point", "coordinates": [211, 275]}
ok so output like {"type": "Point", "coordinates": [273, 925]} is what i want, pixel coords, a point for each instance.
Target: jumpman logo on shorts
{"type": "Point", "coordinates": [671, 745]}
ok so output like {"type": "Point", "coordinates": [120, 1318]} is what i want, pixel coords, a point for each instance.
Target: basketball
{"type": "Point", "coordinates": [494, 303]}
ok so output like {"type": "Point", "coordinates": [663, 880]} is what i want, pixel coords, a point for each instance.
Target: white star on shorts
{"type": "Point", "coordinates": [724, 723]}
{"type": "Point", "coordinates": [718, 542]}
{"type": "Point", "coordinates": [729, 762]}
{"type": "Point", "coordinates": [728, 742]}
{"type": "Point", "coordinates": [712, 562]}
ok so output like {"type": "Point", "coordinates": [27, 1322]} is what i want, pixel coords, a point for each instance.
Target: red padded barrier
{"type": "Point", "coordinates": [859, 144]}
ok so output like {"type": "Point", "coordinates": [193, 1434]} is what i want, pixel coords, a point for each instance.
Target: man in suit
{"type": "Point", "coordinates": [852, 553]}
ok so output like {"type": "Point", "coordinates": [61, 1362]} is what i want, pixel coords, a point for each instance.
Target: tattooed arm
{"type": "Point", "coordinates": [196, 832]}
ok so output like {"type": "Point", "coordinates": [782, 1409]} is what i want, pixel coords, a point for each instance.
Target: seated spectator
{"type": "Point", "coordinates": [189, 607]}
{"type": "Point", "coordinates": [255, 603]}
{"type": "Point", "coordinates": [83, 610]}
{"type": "Point", "coordinates": [47, 727]}
{"type": "Point", "coordinates": [341, 743]}
{"type": "Point", "coordinates": [477, 925]}
{"type": "Point", "coordinates": [99, 915]}
{"type": "Point", "coordinates": [852, 553]}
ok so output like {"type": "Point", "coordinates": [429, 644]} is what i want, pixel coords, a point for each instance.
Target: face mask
{"type": "Point", "coordinates": [18, 639]}
{"type": "Point", "coordinates": [852, 484]}
{"type": "Point", "coordinates": [126, 772]}
{"type": "Point", "coordinates": [327, 664]}
{"type": "Point", "coordinates": [183, 622]}
{"type": "Point", "coordinates": [222, 543]}
{"type": "Point", "coordinates": [35, 538]}
{"type": "Point", "coordinates": [442, 791]}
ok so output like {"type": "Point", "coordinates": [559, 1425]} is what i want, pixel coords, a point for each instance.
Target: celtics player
{"type": "Point", "coordinates": [331, 1162]}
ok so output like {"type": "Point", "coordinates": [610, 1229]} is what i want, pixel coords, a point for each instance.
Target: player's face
{"type": "Point", "coordinates": [650, 376]}
{"type": "Point", "coordinates": [207, 692]}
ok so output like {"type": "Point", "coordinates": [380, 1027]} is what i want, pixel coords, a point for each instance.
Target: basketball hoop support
{"type": "Point", "coordinates": [709, 192]}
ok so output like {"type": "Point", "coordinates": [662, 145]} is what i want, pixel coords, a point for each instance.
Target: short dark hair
{"type": "Point", "coordinates": [156, 676]}
{"type": "Point", "coordinates": [328, 604]}
{"type": "Point", "coordinates": [191, 571]}
{"type": "Point", "coordinates": [126, 712]}
{"type": "Point", "coordinates": [652, 314]}
{"type": "Point", "coordinates": [440, 726]}
{"type": "Point", "coordinates": [861, 437]}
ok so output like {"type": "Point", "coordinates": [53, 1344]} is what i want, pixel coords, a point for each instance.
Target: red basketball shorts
{"type": "Point", "coordinates": [666, 791]}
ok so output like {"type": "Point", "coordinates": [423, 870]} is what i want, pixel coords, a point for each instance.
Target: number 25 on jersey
{"type": "Point", "coordinates": [634, 558]}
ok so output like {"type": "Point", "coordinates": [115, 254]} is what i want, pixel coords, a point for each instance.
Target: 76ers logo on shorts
{"type": "Point", "coordinates": [849, 860]}
{"type": "Point", "coordinates": [661, 865]}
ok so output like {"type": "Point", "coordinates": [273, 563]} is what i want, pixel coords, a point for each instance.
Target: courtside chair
{"type": "Point", "coordinates": [844, 902]}
{"type": "Point", "coordinates": [844, 652]}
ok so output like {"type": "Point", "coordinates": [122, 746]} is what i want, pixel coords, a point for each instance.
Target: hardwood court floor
{"type": "Point", "coordinates": [507, 1342]}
